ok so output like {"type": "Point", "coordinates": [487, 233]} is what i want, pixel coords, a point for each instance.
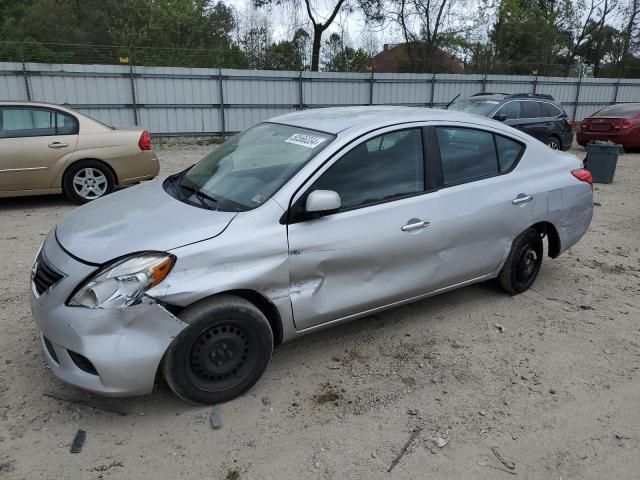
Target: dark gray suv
{"type": "Point", "coordinates": [536, 114]}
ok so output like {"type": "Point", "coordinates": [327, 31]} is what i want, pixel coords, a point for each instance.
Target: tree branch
{"type": "Point", "coordinates": [326, 24]}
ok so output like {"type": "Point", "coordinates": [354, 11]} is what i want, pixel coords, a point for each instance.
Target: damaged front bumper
{"type": "Point", "coordinates": [112, 352]}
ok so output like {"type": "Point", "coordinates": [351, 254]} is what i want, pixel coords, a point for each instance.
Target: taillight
{"type": "Point", "coordinates": [583, 175]}
{"type": "Point", "coordinates": [584, 124]}
{"type": "Point", "coordinates": [571, 123]}
{"type": "Point", "coordinates": [145, 141]}
{"type": "Point", "coordinates": [627, 123]}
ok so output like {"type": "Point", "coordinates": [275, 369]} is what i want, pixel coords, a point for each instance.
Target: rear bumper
{"type": "Point", "coordinates": [630, 139]}
{"type": "Point", "coordinates": [573, 221]}
{"type": "Point", "coordinates": [145, 166]}
{"type": "Point", "coordinates": [122, 348]}
{"type": "Point", "coordinates": [567, 140]}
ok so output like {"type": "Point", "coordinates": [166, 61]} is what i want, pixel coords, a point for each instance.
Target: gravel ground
{"type": "Point", "coordinates": [556, 389]}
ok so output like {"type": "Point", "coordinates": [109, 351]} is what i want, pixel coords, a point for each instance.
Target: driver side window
{"type": "Point", "coordinates": [383, 168]}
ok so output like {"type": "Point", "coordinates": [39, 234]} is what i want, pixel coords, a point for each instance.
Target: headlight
{"type": "Point", "coordinates": [123, 282]}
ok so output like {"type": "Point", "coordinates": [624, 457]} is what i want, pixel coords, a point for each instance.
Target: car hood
{"type": "Point", "coordinates": [136, 219]}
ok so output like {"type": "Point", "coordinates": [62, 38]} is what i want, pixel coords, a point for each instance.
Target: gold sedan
{"type": "Point", "coordinates": [46, 148]}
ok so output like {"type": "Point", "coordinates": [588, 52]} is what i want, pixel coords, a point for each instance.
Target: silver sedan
{"type": "Point", "coordinates": [301, 222]}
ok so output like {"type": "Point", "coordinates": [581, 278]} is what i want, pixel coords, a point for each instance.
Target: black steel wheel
{"type": "Point", "coordinates": [221, 354]}
{"type": "Point", "coordinates": [523, 263]}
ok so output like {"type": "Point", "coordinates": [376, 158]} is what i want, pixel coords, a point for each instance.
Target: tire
{"type": "Point", "coordinates": [554, 143]}
{"type": "Point", "coordinates": [87, 180]}
{"type": "Point", "coordinates": [221, 354]}
{"type": "Point", "coordinates": [523, 263]}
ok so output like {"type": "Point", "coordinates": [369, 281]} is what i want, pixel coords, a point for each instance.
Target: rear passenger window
{"type": "Point", "coordinates": [549, 110]}
{"type": "Point", "coordinates": [508, 152]}
{"type": "Point", "coordinates": [384, 168]}
{"type": "Point", "coordinates": [531, 110]}
{"type": "Point", "coordinates": [466, 154]}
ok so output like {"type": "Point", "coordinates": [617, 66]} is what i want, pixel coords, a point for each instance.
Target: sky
{"type": "Point", "coordinates": [284, 23]}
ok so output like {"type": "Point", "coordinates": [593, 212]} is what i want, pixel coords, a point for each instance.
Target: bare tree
{"type": "Point", "coordinates": [586, 27]}
{"type": "Point", "coordinates": [630, 32]}
{"type": "Point", "coordinates": [319, 28]}
{"type": "Point", "coordinates": [320, 24]}
{"type": "Point", "coordinates": [426, 26]}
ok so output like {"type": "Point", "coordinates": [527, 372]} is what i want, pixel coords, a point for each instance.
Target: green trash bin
{"type": "Point", "coordinates": [601, 161]}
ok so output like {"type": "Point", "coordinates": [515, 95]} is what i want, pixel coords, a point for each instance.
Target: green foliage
{"type": "Point", "coordinates": [341, 58]}
{"type": "Point", "coordinates": [533, 33]}
{"type": "Point", "coordinates": [150, 32]}
{"type": "Point", "coordinates": [288, 55]}
{"type": "Point", "coordinates": [544, 37]}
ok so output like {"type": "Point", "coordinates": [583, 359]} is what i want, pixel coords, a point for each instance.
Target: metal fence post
{"type": "Point", "coordinates": [25, 75]}
{"type": "Point", "coordinates": [535, 84]}
{"type": "Point", "coordinates": [133, 95]}
{"type": "Point", "coordinates": [222, 119]}
{"type": "Point", "coordinates": [484, 83]}
{"type": "Point", "coordinates": [575, 105]}
{"type": "Point", "coordinates": [371, 80]}
{"type": "Point", "coordinates": [300, 92]}
{"type": "Point", "coordinates": [433, 89]}
{"type": "Point", "coordinates": [615, 91]}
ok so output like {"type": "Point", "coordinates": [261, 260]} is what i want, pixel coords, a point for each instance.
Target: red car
{"type": "Point", "coordinates": [619, 123]}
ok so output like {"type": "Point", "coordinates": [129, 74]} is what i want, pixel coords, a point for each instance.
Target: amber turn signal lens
{"type": "Point", "coordinates": [158, 272]}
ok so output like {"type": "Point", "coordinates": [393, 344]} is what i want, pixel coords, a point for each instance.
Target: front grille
{"type": "Point", "coordinates": [83, 363]}
{"type": "Point", "coordinates": [50, 349]}
{"type": "Point", "coordinates": [44, 276]}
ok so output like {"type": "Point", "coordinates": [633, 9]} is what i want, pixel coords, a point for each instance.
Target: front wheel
{"type": "Point", "coordinates": [221, 354]}
{"type": "Point", "coordinates": [523, 263]}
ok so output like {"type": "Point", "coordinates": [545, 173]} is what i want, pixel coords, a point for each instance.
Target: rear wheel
{"type": "Point", "coordinates": [554, 143]}
{"type": "Point", "coordinates": [87, 180]}
{"type": "Point", "coordinates": [221, 354]}
{"type": "Point", "coordinates": [523, 263]}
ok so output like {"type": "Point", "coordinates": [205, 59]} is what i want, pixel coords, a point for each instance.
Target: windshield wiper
{"type": "Point", "coordinates": [452, 100]}
{"type": "Point", "coordinates": [201, 196]}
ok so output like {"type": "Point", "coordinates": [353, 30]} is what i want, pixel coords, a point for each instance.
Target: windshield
{"type": "Point", "coordinates": [479, 107]}
{"type": "Point", "coordinates": [246, 170]}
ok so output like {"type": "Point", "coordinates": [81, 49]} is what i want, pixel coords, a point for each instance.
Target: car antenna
{"type": "Point", "coordinates": [452, 100]}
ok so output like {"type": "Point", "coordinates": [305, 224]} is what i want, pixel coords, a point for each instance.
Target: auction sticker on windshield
{"type": "Point", "coordinates": [305, 140]}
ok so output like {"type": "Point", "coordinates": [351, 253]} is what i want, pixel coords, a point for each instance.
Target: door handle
{"type": "Point", "coordinates": [58, 145]}
{"type": "Point", "coordinates": [522, 198]}
{"type": "Point", "coordinates": [415, 226]}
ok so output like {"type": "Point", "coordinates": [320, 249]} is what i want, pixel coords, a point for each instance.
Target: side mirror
{"type": "Point", "coordinates": [323, 202]}
{"type": "Point", "coordinates": [500, 117]}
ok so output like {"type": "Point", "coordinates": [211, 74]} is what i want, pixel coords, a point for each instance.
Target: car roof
{"type": "Point", "coordinates": [5, 103]}
{"type": "Point", "coordinates": [488, 96]}
{"type": "Point", "coordinates": [336, 119]}
{"type": "Point", "coordinates": [27, 102]}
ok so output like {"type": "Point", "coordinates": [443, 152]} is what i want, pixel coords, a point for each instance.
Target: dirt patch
{"type": "Point", "coordinates": [233, 475]}
{"type": "Point", "coordinates": [104, 468]}
{"type": "Point", "coordinates": [328, 394]}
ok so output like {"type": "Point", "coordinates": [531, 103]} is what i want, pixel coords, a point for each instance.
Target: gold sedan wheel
{"type": "Point", "coordinates": [88, 180]}
{"type": "Point", "coordinates": [90, 183]}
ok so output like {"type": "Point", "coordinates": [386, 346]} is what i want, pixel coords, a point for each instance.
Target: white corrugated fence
{"type": "Point", "coordinates": [211, 101]}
